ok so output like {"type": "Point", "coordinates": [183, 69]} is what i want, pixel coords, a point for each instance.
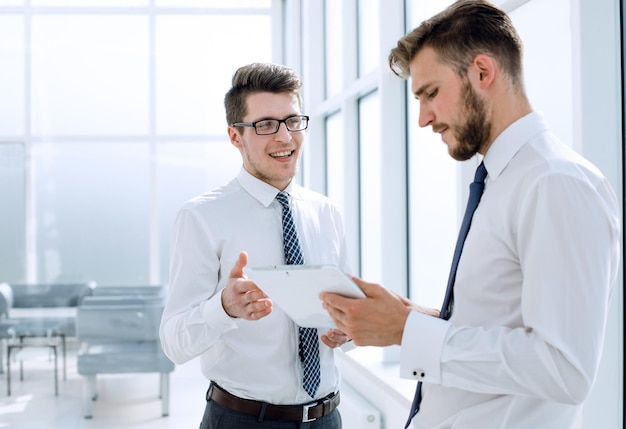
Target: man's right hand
{"type": "Point", "coordinates": [241, 297]}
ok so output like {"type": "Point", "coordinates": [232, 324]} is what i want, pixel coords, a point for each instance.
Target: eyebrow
{"type": "Point", "coordinates": [266, 118]}
{"type": "Point", "coordinates": [422, 89]}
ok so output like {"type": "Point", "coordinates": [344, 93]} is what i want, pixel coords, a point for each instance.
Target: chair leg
{"type": "Point", "coordinates": [165, 393]}
{"type": "Point", "coordinates": [56, 371]}
{"type": "Point", "coordinates": [9, 370]}
{"type": "Point", "coordinates": [89, 395]}
{"type": "Point", "coordinates": [3, 345]}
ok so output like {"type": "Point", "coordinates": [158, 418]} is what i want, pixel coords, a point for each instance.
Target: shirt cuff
{"type": "Point", "coordinates": [422, 341]}
{"type": "Point", "coordinates": [214, 314]}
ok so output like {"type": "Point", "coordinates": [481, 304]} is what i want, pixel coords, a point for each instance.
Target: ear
{"type": "Point", "coordinates": [234, 136]}
{"type": "Point", "coordinates": [483, 69]}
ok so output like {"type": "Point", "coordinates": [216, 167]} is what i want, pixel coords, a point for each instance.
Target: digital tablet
{"type": "Point", "coordinates": [296, 289]}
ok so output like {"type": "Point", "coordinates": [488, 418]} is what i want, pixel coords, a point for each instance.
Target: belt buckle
{"type": "Point", "coordinates": [305, 412]}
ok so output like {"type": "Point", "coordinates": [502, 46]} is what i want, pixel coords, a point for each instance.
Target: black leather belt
{"type": "Point", "coordinates": [265, 411]}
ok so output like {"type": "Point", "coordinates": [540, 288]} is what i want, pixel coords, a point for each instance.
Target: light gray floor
{"type": "Point", "coordinates": [125, 401]}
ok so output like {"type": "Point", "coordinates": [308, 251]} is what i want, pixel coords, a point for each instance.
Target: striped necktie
{"type": "Point", "coordinates": [309, 343]}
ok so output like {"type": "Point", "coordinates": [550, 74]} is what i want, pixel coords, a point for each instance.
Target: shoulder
{"type": "Point", "coordinates": [546, 166]}
{"type": "Point", "coordinates": [222, 196]}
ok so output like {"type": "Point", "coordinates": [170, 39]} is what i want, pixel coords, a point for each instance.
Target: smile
{"type": "Point", "coordinates": [283, 154]}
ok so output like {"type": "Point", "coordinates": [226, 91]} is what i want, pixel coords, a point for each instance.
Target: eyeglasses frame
{"type": "Point", "coordinates": [280, 121]}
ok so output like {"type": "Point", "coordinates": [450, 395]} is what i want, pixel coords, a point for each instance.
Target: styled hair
{"type": "Point", "coordinates": [259, 77]}
{"type": "Point", "coordinates": [458, 34]}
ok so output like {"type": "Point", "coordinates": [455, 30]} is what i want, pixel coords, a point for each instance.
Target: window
{"type": "Point", "coordinates": [115, 118]}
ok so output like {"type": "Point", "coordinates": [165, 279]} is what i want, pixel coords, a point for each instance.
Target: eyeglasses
{"type": "Point", "coordinates": [271, 126]}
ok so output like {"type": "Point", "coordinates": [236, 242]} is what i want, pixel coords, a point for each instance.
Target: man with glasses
{"type": "Point", "coordinates": [260, 371]}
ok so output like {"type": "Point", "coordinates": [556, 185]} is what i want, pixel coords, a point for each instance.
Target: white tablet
{"type": "Point", "coordinates": [296, 289]}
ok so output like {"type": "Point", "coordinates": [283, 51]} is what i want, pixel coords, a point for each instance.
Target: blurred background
{"type": "Point", "coordinates": [111, 117]}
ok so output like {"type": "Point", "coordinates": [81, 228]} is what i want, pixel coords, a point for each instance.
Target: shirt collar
{"type": "Point", "coordinates": [261, 191]}
{"type": "Point", "coordinates": [511, 140]}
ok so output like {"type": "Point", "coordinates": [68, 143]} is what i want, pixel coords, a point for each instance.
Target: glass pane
{"type": "Point", "coordinates": [88, 79]}
{"type": "Point", "coordinates": [335, 160]}
{"type": "Point", "coordinates": [90, 3]}
{"type": "Point", "coordinates": [433, 222]}
{"type": "Point", "coordinates": [13, 214]}
{"type": "Point", "coordinates": [548, 70]}
{"type": "Point", "coordinates": [185, 170]}
{"type": "Point", "coordinates": [371, 180]}
{"type": "Point", "coordinates": [333, 36]}
{"type": "Point", "coordinates": [12, 82]}
{"type": "Point", "coordinates": [93, 208]}
{"type": "Point", "coordinates": [248, 4]}
{"type": "Point", "coordinates": [192, 82]}
{"type": "Point", "coordinates": [433, 197]}
{"type": "Point", "coordinates": [419, 11]}
{"type": "Point", "coordinates": [368, 36]}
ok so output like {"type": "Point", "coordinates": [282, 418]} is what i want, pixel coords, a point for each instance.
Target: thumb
{"type": "Point", "coordinates": [237, 270]}
{"type": "Point", "coordinates": [366, 287]}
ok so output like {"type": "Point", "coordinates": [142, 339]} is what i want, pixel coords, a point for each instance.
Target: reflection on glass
{"type": "Point", "coordinates": [368, 36]}
{"type": "Point", "coordinates": [333, 47]}
{"type": "Point", "coordinates": [191, 82]}
{"type": "Point", "coordinates": [12, 213]}
{"type": "Point", "coordinates": [88, 79]}
{"type": "Point", "coordinates": [183, 171]}
{"type": "Point", "coordinates": [335, 159]}
{"type": "Point", "coordinates": [12, 81]}
{"type": "Point", "coordinates": [93, 212]}
{"type": "Point", "coordinates": [370, 147]}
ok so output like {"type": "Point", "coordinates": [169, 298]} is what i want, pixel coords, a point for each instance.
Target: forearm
{"type": "Point", "coordinates": [189, 333]}
{"type": "Point", "coordinates": [500, 361]}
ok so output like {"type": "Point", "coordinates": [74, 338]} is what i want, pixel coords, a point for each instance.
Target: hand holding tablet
{"type": "Point", "coordinates": [296, 289]}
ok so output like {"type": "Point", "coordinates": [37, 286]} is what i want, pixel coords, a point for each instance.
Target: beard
{"type": "Point", "coordinates": [474, 132]}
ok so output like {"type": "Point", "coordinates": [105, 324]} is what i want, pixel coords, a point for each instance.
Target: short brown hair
{"type": "Point", "coordinates": [459, 33]}
{"type": "Point", "coordinates": [259, 77]}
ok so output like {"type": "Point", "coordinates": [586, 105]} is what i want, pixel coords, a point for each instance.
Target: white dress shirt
{"type": "Point", "coordinates": [251, 359]}
{"type": "Point", "coordinates": [532, 293]}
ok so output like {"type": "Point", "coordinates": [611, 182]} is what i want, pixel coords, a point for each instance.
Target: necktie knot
{"type": "Point", "coordinates": [283, 199]}
{"type": "Point", "coordinates": [481, 173]}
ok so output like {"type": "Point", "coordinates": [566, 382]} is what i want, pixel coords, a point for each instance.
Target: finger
{"type": "Point", "coordinates": [338, 337]}
{"type": "Point", "coordinates": [254, 295]}
{"type": "Point", "coordinates": [336, 315]}
{"type": "Point", "coordinates": [366, 287]}
{"type": "Point", "coordinates": [333, 302]}
{"type": "Point", "coordinates": [237, 270]}
{"type": "Point", "coordinates": [328, 341]}
{"type": "Point", "coordinates": [259, 309]}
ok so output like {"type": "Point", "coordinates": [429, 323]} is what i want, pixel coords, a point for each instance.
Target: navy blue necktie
{"type": "Point", "coordinates": [476, 191]}
{"type": "Point", "coordinates": [309, 343]}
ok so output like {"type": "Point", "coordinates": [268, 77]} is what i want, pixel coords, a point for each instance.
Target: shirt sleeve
{"type": "Point", "coordinates": [422, 341]}
{"type": "Point", "coordinates": [193, 318]}
{"type": "Point", "coordinates": [568, 249]}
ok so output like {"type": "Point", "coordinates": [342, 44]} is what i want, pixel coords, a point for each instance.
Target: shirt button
{"type": "Point", "coordinates": [419, 373]}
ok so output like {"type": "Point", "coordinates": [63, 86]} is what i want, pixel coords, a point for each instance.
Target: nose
{"type": "Point", "coordinates": [426, 116]}
{"type": "Point", "coordinates": [283, 133]}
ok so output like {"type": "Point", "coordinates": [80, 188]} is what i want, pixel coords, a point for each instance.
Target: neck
{"type": "Point", "coordinates": [506, 110]}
